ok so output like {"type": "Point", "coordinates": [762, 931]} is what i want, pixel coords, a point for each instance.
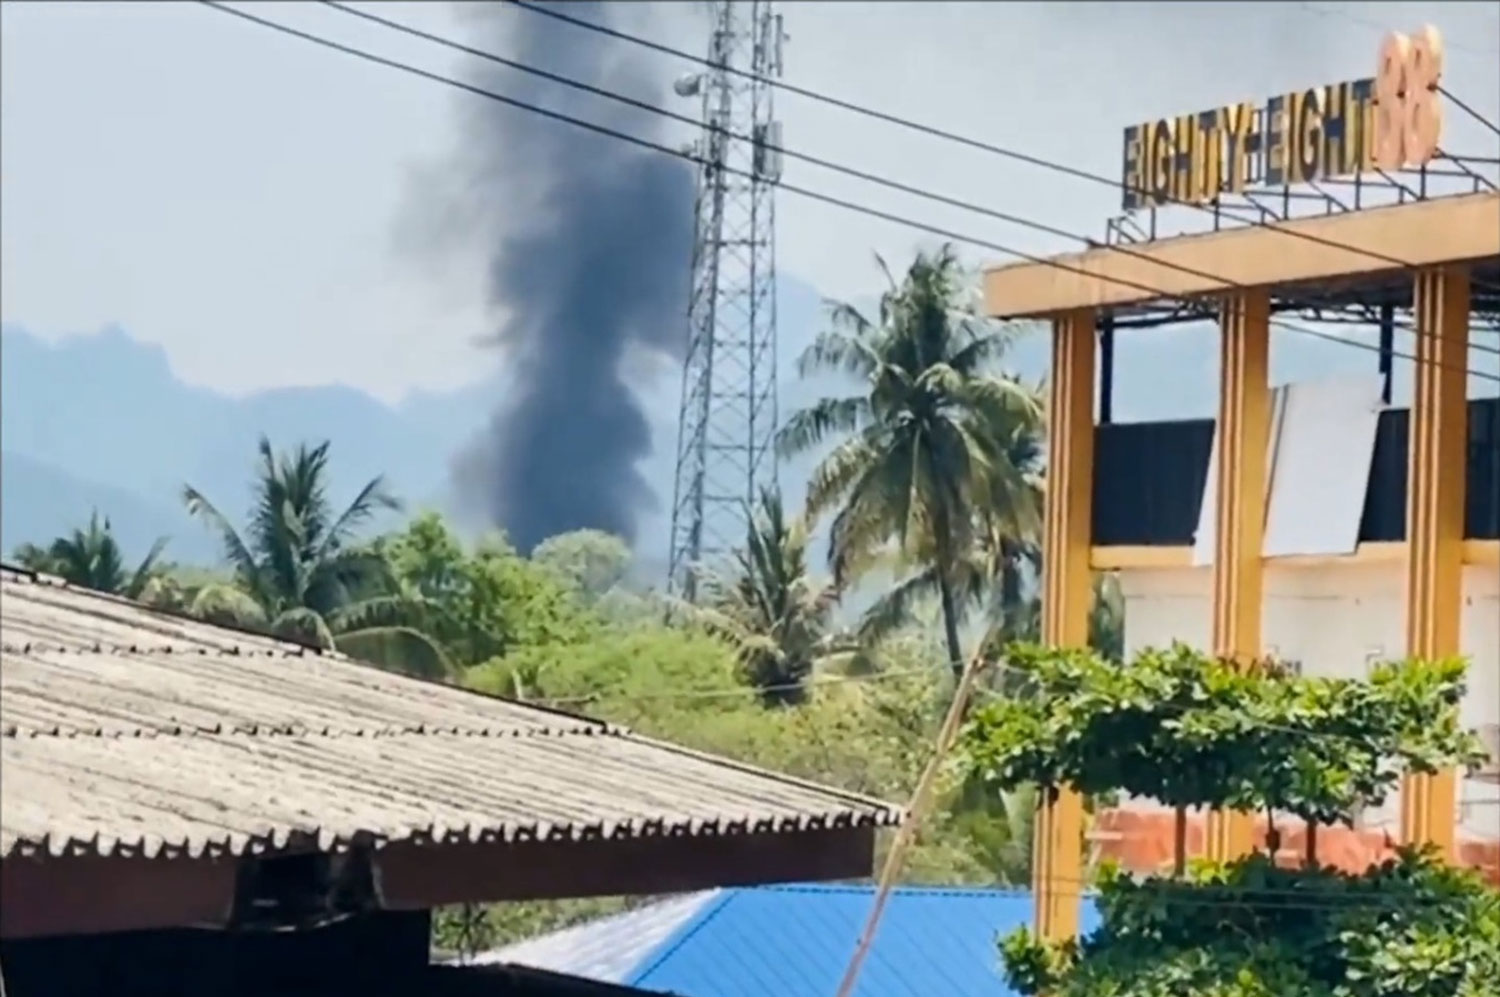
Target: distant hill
{"type": "Point", "coordinates": [103, 418]}
{"type": "Point", "coordinates": [101, 421]}
{"type": "Point", "coordinates": [41, 502]}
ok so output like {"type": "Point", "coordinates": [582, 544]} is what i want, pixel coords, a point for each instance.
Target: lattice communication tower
{"type": "Point", "coordinates": [727, 420]}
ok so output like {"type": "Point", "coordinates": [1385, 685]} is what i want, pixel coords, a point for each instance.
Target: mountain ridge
{"type": "Point", "coordinates": [102, 419]}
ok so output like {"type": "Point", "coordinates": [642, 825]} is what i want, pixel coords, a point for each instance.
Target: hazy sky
{"type": "Point", "coordinates": [239, 196]}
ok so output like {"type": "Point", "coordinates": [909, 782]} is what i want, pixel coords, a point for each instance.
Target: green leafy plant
{"type": "Point", "coordinates": [771, 607]}
{"type": "Point", "coordinates": [1188, 730]}
{"type": "Point", "coordinates": [1412, 927]}
{"type": "Point", "coordinates": [1193, 731]}
{"type": "Point", "coordinates": [928, 442]}
{"type": "Point", "coordinates": [300, 572]}
{"type": "Point", "coordinates": [91, 557]}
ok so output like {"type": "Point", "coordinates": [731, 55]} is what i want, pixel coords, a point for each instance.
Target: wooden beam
{"type": "Point", "coordinates": [1243, 430]}
{"type": "Point", "coordinates": [1067, 593]}
{"type": "Point", "coordinates": [414, 877]}
{"type": "Point", "coordinates": [1435, 518]}
{"type": "Point", "coordinates": [93, 895]}
{"type": "Point", "coordinates": [1126, 557]}
{"type": "Point", "coordinates": [90, 894]}
{"type": "Point", "coordinates": [1419, 233]}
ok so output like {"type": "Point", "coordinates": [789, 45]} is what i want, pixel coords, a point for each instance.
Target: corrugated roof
{"type": "Point", "coordinates": [127, 730]}
{"type": "Point", "coordinates": [795, 941]}
{"type": "Point", "coordinates": [608, 949]}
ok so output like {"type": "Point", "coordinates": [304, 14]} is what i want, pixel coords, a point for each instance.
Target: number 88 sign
{"type": "Point", "coordinates": [1408, 108]}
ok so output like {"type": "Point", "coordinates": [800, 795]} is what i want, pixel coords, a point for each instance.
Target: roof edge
{"type": "Point", "coordinates": [897, 811]}
{"type": "Point", "coordinates": [298, 647]}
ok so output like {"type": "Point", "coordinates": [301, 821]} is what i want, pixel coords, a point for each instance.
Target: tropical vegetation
{"type": "Point", "coordinates": [1188, 730]}
{"type": "Point", "coordinates": [776, 613]}
{"type": "Point", "coordinates": [91, 557]}
{"type": "Point", "coordinates": [934, 465]}
{"type": "Point", "coordinates": [1412, 926]}
{"type": "Point", "coordinates": [928, 482]}
{"type": "Point", "coordinates": [299, 573]}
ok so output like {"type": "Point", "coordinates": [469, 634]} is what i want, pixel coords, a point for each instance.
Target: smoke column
{"type": "Point", "coordinates": [588, 241]}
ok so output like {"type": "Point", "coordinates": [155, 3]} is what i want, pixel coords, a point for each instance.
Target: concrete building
{"type": "Point", "coordinates": [1260, 532]}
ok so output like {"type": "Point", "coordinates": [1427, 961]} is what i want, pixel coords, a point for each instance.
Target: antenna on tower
{"type": "Point", "coordinates": [727, 421]}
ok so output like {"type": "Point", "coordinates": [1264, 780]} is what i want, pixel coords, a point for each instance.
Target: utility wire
{"type": "Point", "coordinates": [1376, 26]}
{"type": "Point", "coordinates": [616, 96]}
{"type": "Point", "coordinates": [957, 707]}
{"type": "Point", "coordinates": [791, 188]}
{"type": "Point", "coordinates": [935, 132]}
{"type": "Point", "coordinates": [622, 694]}
{"type": "Point", "coordinates": [921, 801]}
{"type": "Point", "coordinates": [656, 147]}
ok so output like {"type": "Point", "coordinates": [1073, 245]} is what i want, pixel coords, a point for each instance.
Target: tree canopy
{"type": "Point", "coordinates": [926, 453]}
{"type": "Point", "coordinates": [931, 469]}
{"type": "Point", "coordinates": [1190, 730]}
{"type": "Point", "coordinates": [777, 615]}
{"type": "Point", "coordinates": [299, 572]}
{"type": "Point", "coordinates": [1411, 927]}
{"type": "Point", "coordinates": [91, 557]}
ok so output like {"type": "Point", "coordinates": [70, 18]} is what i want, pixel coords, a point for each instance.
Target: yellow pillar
{"type": "Point", "coordinates": [1243, 433]}
{"type": "Point", "coordinates": [1436, 468]}
{"type": "Point", "coordinates": [1067, 594]}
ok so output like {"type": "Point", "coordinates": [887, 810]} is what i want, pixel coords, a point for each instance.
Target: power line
{"type": "Point", "coordinates": [950, 136]}
{"type": "Point", "coordinates": [734, 691]}
{"type": "Point", "coordinates": [621, 694]}
{"type": "Point", "coordinates": [625, 137]}
{"type": "Point", "coordinates": [1264, 898]}
{"type": "Point", "coordinates": [905, 188]}
{"type": "Point", "coordinates": [1376, 26]}
{"type": "Point", "coordinates": [801, 191]}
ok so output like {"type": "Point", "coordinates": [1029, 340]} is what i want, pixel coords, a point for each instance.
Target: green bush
{"type": "Point", "coordinates": [1412, 927]}
{"type": "Point", "coordinates": [1188, 730]}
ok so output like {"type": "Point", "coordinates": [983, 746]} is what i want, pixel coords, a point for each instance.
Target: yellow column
{"type": "Point", "coordinates": [1067, 592]}
{"type": "Point", "coordinates": [1436, 467]}
{"type": "Point", "coordinates": [1243, 432]}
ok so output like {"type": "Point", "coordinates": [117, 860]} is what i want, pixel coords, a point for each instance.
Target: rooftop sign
{"type": "Point", "coordinates": [1389, 121]}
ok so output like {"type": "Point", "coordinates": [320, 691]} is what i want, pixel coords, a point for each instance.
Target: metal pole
{"type": "Point", "coordinates": [1106, 368]}
{"type": "Point", "coordinates": [1387, 349]}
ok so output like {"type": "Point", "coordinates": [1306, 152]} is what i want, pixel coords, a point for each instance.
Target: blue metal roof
{"type": "Point", "coordinates": [794, 941]}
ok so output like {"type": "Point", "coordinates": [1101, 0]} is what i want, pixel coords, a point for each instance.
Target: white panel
{"type": "Point", "coordinates": [1206, 536]}
{"type": "Point", "coordinates": [1336, 618]}
{"type": "Point", "coordinates": [1322, 466]}
{"type": "Point", "coordinates": [1207, 532]}
{"type": "Point", "coordinates": [1480, 642]}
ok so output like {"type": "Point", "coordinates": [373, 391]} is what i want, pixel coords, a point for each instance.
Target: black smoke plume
{"type": "Point", "coordinates": [588, 241]}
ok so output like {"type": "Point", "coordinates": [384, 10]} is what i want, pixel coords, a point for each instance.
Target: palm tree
{"type": "Point", "coordinates": [994, 574]}
{"type": "Point", "coordinates": [299, 573]}
{"type": "Point", "coordinates": [927, 459]}
{"type": "Point", "coordinates": [778, 616]}
{"type": "Point", "coordinates": [1106, 619]}
{"type": "Point", "coordinates": [1000, 828]}
{"type": "Point", "coordinates": [91, 558]}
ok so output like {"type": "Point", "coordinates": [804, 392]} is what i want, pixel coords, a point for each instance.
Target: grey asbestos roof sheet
{"type": "Point", "coordinates": [130, 731]}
